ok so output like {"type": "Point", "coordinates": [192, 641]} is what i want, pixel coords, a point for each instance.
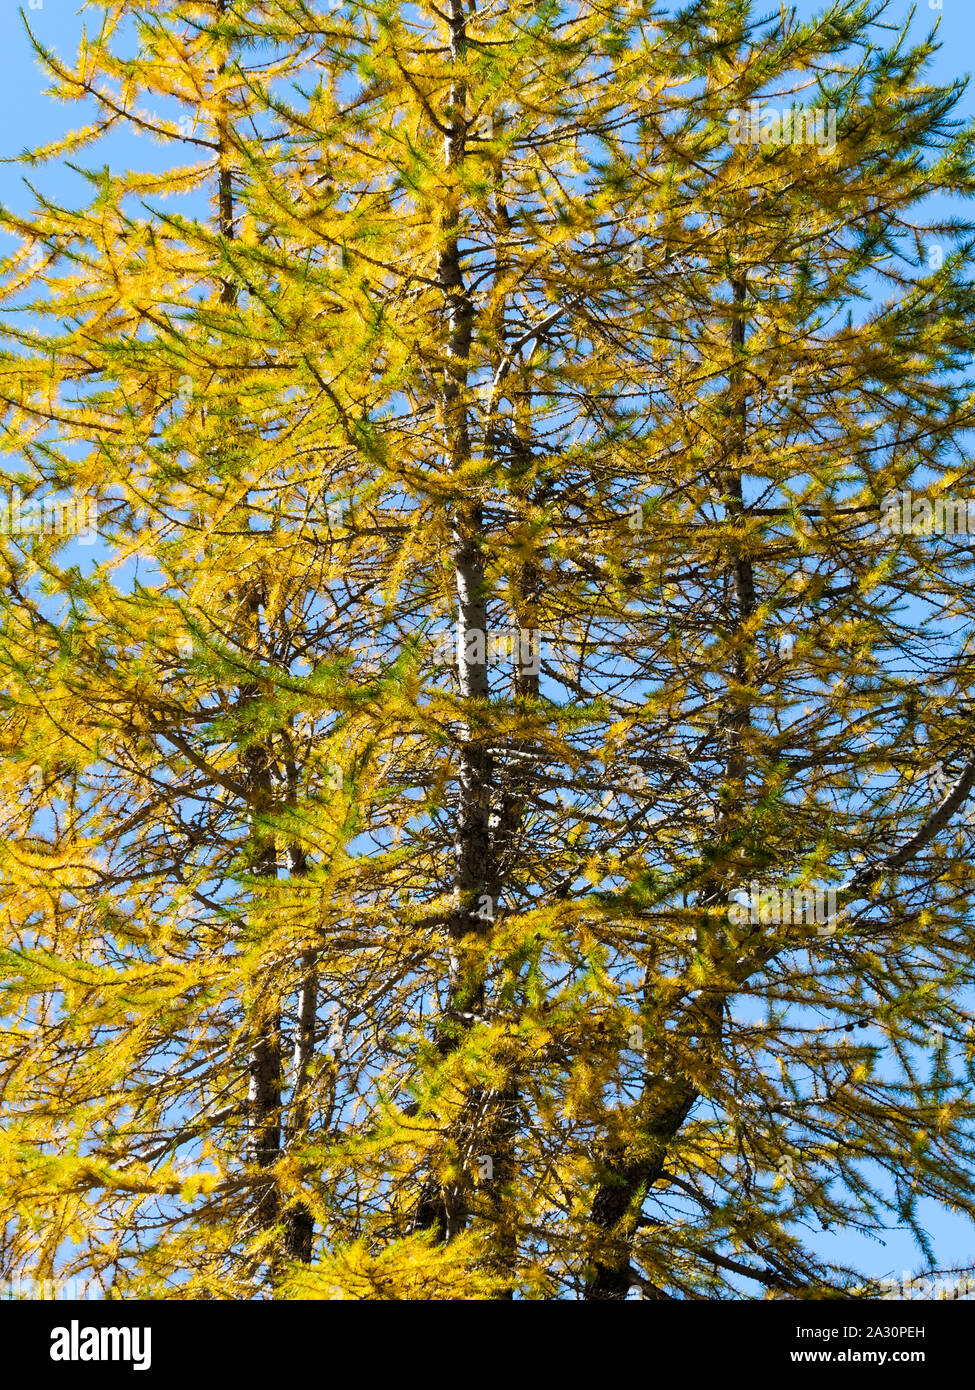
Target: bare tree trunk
{"type": "Point", "coordinates": [299, 1226]}
{"type": "Point", "coordinates": [616, 1205]}
{"type": "Point", "coordinates": [265, 1062]}
{"type": "Point", "coordinates": [445, 1209]}
{"type": "Point", "coordinates": [501, 1120]}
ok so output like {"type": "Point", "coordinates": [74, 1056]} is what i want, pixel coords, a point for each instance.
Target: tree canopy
{"type": "Point", "coordinates": [485, 817]}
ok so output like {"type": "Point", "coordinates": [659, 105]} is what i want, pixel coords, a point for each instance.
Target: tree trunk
{"type": "Point", "coordinates": [668, 1097]}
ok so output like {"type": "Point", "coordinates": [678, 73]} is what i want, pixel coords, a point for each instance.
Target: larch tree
{"type": "Point", "coordinates": [487, 817]}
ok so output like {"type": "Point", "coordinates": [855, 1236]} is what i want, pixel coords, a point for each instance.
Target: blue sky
{"type": "Point", "coordinates": [27, 118]}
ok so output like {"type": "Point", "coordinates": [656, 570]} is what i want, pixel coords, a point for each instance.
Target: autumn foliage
{"type": "Point", "coordinates": [491, 613]}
